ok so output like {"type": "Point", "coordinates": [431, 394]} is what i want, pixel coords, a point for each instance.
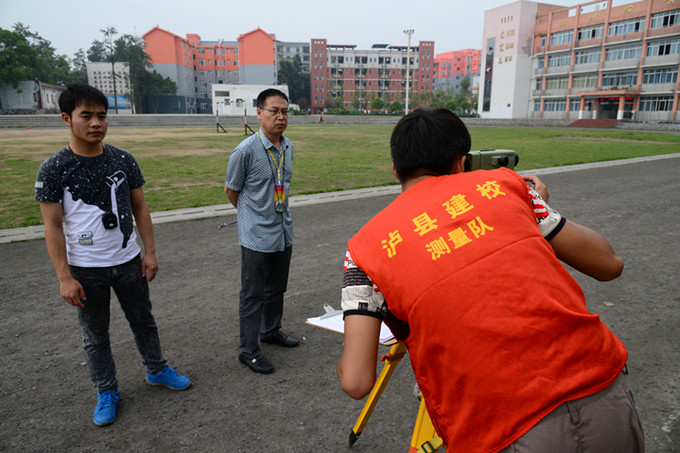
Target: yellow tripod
{"type": "Point", "coordinates": [424, 437]}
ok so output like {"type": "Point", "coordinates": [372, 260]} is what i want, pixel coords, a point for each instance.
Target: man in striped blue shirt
{"type": "Point", "coordinates": [258, 184]}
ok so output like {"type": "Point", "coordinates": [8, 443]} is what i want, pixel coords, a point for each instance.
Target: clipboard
{"type": "Point", "coordinates": [332, 320]}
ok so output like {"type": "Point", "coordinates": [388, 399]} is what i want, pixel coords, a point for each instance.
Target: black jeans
{"type": "Point", "coordinates": [264, 277]}
{"type": "Point", "coordinates": [132, 291]}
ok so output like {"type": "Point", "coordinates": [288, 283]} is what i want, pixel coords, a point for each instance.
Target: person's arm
{"type": "Point", "coordinates": [356, 367]}
{"type": "Point", "coordinates": [232, 195]}
{"type": "Point", "coordinates": [587, 251]}
{"type": "Point", "coordinates": [69, 288]}
{"type": "Point", "coordinates": [140, 210]}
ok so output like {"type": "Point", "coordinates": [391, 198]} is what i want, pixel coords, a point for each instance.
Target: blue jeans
{"type": "Point", "coordinates": [264, 277]}
{"type": "Point", "coordinates": [132, 291]}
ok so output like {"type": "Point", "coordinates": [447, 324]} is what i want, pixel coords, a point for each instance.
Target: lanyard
{"type": "Point", "coordinates": [279, 165]}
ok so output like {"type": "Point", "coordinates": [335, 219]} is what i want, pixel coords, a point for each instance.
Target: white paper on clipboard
{"type": "Point", "coordinates": [333, 321]}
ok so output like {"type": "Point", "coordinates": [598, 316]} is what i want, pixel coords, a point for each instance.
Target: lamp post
{"type": "Point", "coordinates": [408, 32]}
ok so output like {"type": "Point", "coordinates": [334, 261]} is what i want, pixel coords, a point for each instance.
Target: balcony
{"type": "Point", "coordinates": [556, 92]}
{"type": "Point", "coordinates": [658, 88]}
{"type": "Point", "coordinates": [558, 70]}
{"type": "Point", "coordinates": [630, 63]}
{"type": "Point", "coordinates": [662, 60]}
{"type": "Point", "coordinates": [586, 67]}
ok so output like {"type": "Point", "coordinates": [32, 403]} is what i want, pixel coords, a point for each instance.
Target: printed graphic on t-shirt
{"type": "Point", "coordinates": [88, 188]}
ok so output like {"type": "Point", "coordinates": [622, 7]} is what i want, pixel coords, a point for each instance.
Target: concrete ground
{"type": "Point", "coordinates": [46, 397]}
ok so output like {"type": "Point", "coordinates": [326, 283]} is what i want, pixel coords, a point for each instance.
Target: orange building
{"type": "Point", "coordinates": [195, 65]}
{"type": "Point", "coordinates": [603, 59]}
{"type": "Point", "coordinates": [452, 67]}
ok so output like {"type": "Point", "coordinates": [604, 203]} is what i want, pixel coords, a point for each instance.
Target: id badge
{"type": "Point", "coordinates": [280, 198]}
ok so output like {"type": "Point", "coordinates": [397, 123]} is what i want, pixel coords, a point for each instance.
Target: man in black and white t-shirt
{"type": "Point", "coordinates": [96, 189]}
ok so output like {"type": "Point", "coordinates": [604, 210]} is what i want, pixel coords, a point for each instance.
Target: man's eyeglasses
{"type": "Point", "coordinates": [276, 112]}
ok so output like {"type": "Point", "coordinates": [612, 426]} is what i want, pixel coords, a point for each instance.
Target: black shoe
{"type": "Point", "coordinates": [281, 339]}
{"type": "Point", "coordinates": [258, 364]}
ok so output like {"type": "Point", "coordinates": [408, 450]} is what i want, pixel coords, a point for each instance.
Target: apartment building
{"type": "Point", "coordinates": [343, 76]}
{"type": "Point", "coordinates": [605, 59]}
{"type": "Point", "coordinates": [450, 68]}
{"type": "Point", "coordinates": [286, 51]}
{"type": "Point", "coordinates": [101, 76]}
{"type": "Point", "coordinates": [195, 65]}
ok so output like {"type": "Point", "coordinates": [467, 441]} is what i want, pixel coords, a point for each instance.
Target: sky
{"type": "Point", "coordinates": [73, 25]}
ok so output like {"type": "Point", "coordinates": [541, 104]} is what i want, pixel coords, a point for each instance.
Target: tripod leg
{"type": "Point", "coordinates": [391, 360]}
{"type": "Point", "coordinates": [425, 437]}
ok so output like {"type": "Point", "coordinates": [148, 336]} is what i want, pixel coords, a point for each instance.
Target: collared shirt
{"type": "Point", "coordinates": [252, 172]}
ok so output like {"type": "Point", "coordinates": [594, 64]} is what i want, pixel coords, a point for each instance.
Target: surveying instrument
{"type": "Point", "coordinates": [425, 438]}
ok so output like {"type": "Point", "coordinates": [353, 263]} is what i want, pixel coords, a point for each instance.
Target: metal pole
{"type": "Point", "coordinates": [408, 32]}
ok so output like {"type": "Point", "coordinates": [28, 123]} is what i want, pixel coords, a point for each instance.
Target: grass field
{"type": "Point", "coordinates": [185, 167]}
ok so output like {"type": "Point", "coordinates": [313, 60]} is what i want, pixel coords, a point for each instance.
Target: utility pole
{"type": "Point", "coordinates": [408, 32]}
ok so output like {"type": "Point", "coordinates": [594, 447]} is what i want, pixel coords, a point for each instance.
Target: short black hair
{"type": "Point", "coordinates": [78, 94]}
{"type": "Point", "coordinates": [429, 139]}
{"type": "Point", "coordinates": [269, 92]}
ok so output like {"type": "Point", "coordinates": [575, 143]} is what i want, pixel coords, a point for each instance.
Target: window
{"type": "Point", "coordinates": [201, 62]}
{"type": "Point", "coordinates": [587, 81]}
{"type": "Point", "coordinates": [588, 56]}
{"type": "Point", "coordinates": [663, 75]}
{"type": "Point", "coordinates": [562, 37]}
{"type": "Point", "coordinates": [585, 33]}
{"type": "Point", "coordinates": [543, 40]}
{"type": "Point", "coordinates": [624, 27]}
{"type": "Point", "coordinates": [623, 53]}
{"type": "Point", "coordinates": [539, 84]}
{"type": "Point", "coordinates": [665, 19]}
{"type": "Point", "coordinates": [559, 60]}
{"type": "Point", "coordinates": [541, 62]}
{"type": "Point", "coordinates": [559, 83]}
{"type": "Point", "coordinates": [555, 105]}
{"type": "Point", "coordinates": [619, 79]}
{"type": "Point", "coordinates": [656, 104]}
{"type": "Point", "coordinates": [201, 51]}
{"type": "Point", "coordinates": [665, 47]}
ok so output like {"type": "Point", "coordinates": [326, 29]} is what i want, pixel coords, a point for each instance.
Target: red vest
{"type": "Point", "coordinates": [499, 330]}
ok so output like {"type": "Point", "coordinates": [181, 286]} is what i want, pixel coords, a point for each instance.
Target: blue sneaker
{"type": "Point", "coordinates": [105, 412]}
{"type": "Point", "coordinates": [169, 378]}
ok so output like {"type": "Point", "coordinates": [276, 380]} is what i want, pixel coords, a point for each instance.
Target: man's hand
{"type": "Point", "coordinates": [538, 186]}
{"type": "Point", "coordinates": [149, 266]}
{"type": "Point", "coordinates": [72, 291]}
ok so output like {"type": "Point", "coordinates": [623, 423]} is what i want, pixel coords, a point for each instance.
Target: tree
{"type": "Point", "coordinates": [130, 49]}
{"type": "Point", "coordinates": [377, 104]}
{"type": "Point", "coordinates": [396, 106]}
{"type": "Point", "coordinates": [79, 65]}
{"type": "Point", "coordinates": [49, 67]}
{"type": "Point", "coordinates": [96, 52]}
{"type": "Point", "coordinates": [292, 75]}
{"type": "Point", "coordinates": [155, 86]}
{"type": "Point", "coordinates": [465, 85]}
{"type": "Point", "coordinates": [18, 59]}
{"type": "Point", "coordinates": [109, 33]}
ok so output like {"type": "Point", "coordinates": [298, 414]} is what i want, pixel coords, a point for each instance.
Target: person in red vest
{"type": "Point", "coordinates": [464, 267]}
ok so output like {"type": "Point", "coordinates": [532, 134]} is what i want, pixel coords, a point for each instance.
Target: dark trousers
{"type": "Point", "coordinates": [264, 277]}
{"type": "Point", "coordinates": [132, 291]}
{"type": "Point", "coordinates": [606, 422]}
